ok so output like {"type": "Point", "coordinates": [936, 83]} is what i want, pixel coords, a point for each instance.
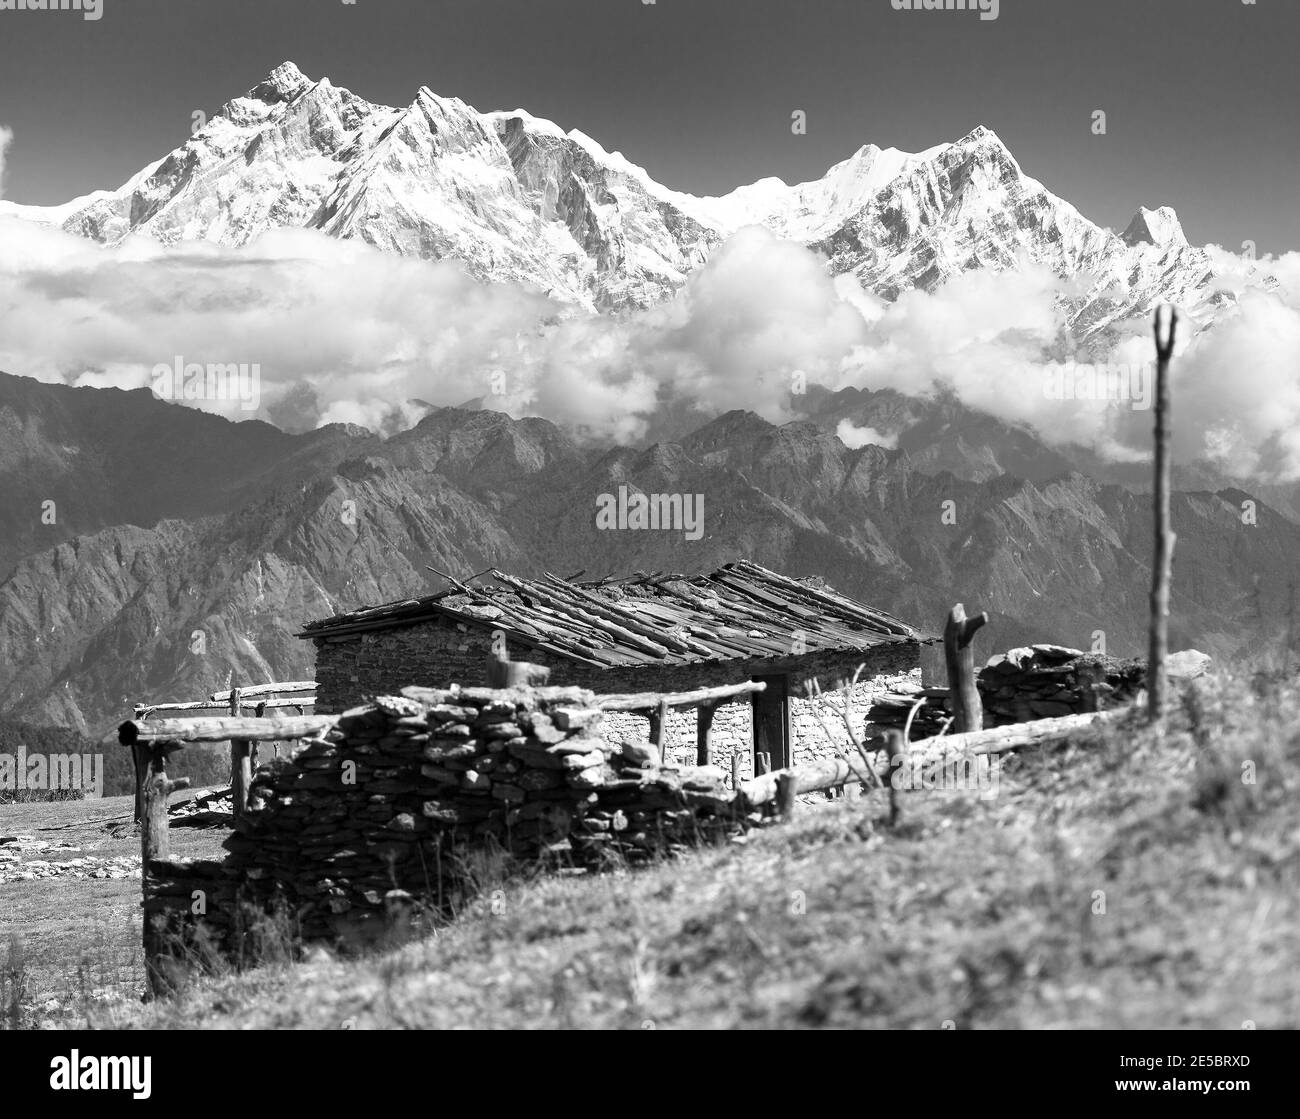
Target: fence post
{"type": "Point", "coordinates": [1162, 560]}
{"type": "Point", "coordinates": [241, 760]}
{"type": "Point", "coordinates": [785, 795]}
{"type": "Point", "coordinates": [155, 844]}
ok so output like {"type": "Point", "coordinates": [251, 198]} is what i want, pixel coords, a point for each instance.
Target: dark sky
{"type": "Point", "coordinates": [1202, 95]}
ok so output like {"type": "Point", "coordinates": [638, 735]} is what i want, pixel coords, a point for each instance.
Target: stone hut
{"type": "Point", "coordinates": [641, 634]}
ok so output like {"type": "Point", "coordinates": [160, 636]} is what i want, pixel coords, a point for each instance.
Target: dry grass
{"type": "Point", "coordinates": [1123, 881]}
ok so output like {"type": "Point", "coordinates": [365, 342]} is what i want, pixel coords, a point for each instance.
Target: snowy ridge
{"type": "Point", "coordinates": [517, 198]}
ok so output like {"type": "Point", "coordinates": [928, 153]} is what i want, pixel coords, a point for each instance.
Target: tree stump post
{"type": "Point", "coordinates": [960, 659]}
{"type": "Point", "coordinates": [785, 795]}
{"type": "Point", "coordinates": [1162, 561]}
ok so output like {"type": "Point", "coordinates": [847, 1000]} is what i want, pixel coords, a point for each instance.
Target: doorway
{"type": "Point", "coordinates": [770, 710]}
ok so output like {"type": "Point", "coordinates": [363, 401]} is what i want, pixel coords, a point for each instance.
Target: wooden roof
{"type": "Point", "coordinates": [740, 612]}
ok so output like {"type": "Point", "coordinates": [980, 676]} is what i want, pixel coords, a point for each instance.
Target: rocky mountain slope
{"type": "Point", "coordinates": [514, 197]}
{"type": "Point", "coordinates": [166, 606]}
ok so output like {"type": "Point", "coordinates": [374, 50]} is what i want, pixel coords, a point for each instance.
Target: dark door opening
{"type": "Point", "coordinates": [771, 720]}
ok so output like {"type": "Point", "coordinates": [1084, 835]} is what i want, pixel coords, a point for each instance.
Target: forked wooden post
{"type": "Point", "coordinates": [960, 659]}
{"type": "Point", "coordinates": [1162, 561]}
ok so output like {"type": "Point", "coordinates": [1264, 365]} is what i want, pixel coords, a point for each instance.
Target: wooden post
{"type": "Point", "coordinates": [703, 731]}
{"type": "Point", "coordinates": [735, 769]}
{"type": "Point", "coordinates": [659, 731]}
{"type": "Point", "coordinates": [241, 760]}
{"type": "Point", "coordinates": [140, 759]}
{"type": "Point", "coordinates": [960, 658]}
{"type": "Point", "coordinates": [895, 749]}
{"type": "Point", "coordinates": [785, 795]}
{"type": "Point", "coordinates": [1162, 561]}
{"type": "Point", "coordinates": [763, 762]}
{"type": "Point", "coordinates": [155, 843]}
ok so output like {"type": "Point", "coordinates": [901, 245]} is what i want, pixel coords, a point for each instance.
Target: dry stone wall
{"type": "Point", "coordinates": [1033, 682]}
{"type": "Point", "coordinates": [384, 818]}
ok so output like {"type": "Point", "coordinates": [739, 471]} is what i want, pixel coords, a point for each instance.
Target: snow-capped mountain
{"type": "Point", "coordinates": [516, 198]}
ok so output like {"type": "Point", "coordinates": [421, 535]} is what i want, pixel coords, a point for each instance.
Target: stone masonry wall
{"type": "Point", "coordinates": [436, 652]}
{"type": "Point", "coordinates": [380, 820]}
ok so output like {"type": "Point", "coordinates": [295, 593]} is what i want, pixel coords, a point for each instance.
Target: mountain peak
{"type": "Point", "coordinates": [1155, 227]}
{"type": "Point", "coordinates": [980, 134]}
{"type": "Point", "coordinates": [284, 83]}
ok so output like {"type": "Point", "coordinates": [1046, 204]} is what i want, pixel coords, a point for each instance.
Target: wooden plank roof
{"type": "Point", "coordinates": [740, 612]}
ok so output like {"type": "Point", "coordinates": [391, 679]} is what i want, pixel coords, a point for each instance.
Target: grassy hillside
{"type": "Point", "coordinates": [1120, 881]}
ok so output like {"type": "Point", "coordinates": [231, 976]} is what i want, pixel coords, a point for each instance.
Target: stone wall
{"type": "Point", "coordinates": [383, 820]}
{"type": "Point", "coordinates": [1034, 682]}
{"type": "Point", "coordinates": [438, 651]}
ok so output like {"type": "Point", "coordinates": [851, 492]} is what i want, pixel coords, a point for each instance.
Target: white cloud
{"type": "Point", "coordinates": [344, 332]}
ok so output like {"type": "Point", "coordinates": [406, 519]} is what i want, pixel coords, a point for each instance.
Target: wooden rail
{"type": "Point", "coordinates": [232, 702]}
{"type": "Point", "coordinates": [834, 772]}
{"type": "Point", "coordinates": [245, 728]}
{"type": "Point", "coordinates": [650, 701]}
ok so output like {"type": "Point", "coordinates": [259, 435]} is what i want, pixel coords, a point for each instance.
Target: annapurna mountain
{"type": "Point", "coordinates": [517, 198]}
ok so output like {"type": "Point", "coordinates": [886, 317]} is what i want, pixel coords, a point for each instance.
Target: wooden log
{"type": "Point", "coordinates": [833, 772]}
{"type": "Point", "coordinates": [144, 710]}
{"type": "Point", "coordinates": [222, 730]}
{"type": "Point", "coordinates": [265, 689]}
{"type": "Point", "coordinates": [598, 617]}
{"type": "Point", "coordinates": [1162, 561]}
{"type": "Point", "coordinates": [703, 734]}
{"type": "Point", "coordinates": [960, 659]}
{"type": "Point", "coordinates": [650, 701]}
{"type": "Point", "coordinates": [735, 770]}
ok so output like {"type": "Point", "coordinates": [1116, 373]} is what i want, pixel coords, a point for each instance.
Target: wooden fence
{"type": "Point", "coordinates": [259, 698]}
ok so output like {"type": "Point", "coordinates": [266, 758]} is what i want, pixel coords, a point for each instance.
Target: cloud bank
{"type": "Point", "coordinates": [341, 332]}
